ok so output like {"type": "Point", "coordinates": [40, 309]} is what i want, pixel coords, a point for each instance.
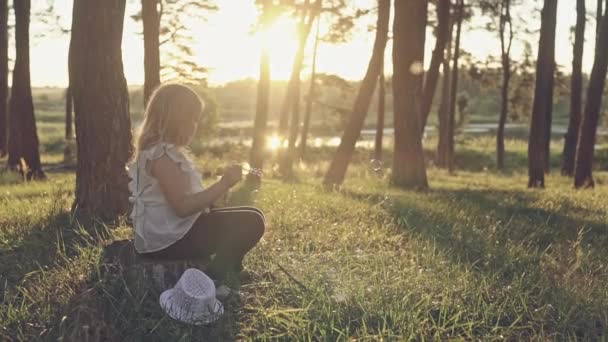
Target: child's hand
{"type": "Point", "coordinates": [232, 175]}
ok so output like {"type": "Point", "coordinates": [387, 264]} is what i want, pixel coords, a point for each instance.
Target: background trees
{"type": "Point", "coordinates": [583, 177]}
{"type": "Point", "coordinates": [103, 127]}
{"type": "Point", "coordinates": [23, 138]}
{"type": "Point", "coordinates": [337, 169]}
{"type": "Point", "coordinates": [576, 90]}
{"type": "Point", "coordinates": [3, 76]}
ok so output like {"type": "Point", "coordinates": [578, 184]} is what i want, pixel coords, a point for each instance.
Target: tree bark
{"type": "Point", "coordinates": [409, 30]}
{"type": "Point", "coordinates": [151, 23]}
{"type": "Point", "coordinates": [23, 139]}
{"type": "Point", "coordinates": [381, 114]}
{"type": "Point", "coordinates": [311, 94]}
{"type": "Point", "coordinates": [430, 82]}
{"type": "Point", "coordinates": [337, 169]}
{"type": "Point", "coordinates": [101, 105]}
{"type": "Point", "coordinates": [505, 46]}
{"type": "Point", "coordinates": [256, 159]}
{"type": "Point", "coordinates": [576, 86]}
{"type": "Point", "coordinates": [443, 112]}
{"type": "Point", "coordinates": [3, 77]}
{"type": "Point", "coordinates": [543, 98]}
{"type": "Point", "coordinates": [454, 87]}
{"type": "Point", "coordinates": [583, 177]}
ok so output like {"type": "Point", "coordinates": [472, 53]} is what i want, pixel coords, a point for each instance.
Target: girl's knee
{"type": "Point", "coordinates": [259, 226]}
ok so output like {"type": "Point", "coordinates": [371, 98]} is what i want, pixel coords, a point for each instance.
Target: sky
{"type": "Point", "coordinates": [224, 43]}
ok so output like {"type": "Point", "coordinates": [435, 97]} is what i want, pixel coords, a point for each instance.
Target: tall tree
{"type": "Point", "coordinates": [67, 150]}
{"type": "Point", "coordinates": [583, 177]}
{"type": "Point", "coordinates": [304, 28]}
{"type": "Point", "coordinates": [454, 85]}
{"type": "Point", "coordinates": [337, 169]}
{"type": "Point", "coordinates": [101, 105]}
{"type": "Point", "coordinates": [381, 114]}
{"type": "Point", "coordinates": [23, 139]}
{"type": "Point", "coordinates": [306, 15]}
{"type": "Point", "coordinates": [409, 33]}
{"type": "Point", "coordinates": [151, 22]}
{"type": "Point", "coordinates": [543, 98]}
{"type": "Point", "coordinates": [256, 159]}
{"type": "Point", "coordinates": [506, 35]}
{"type": "Point", "coordinates": [576, 89]}
{"type": "Point", "coordinates": [598, 20]}
{"type": "Point", "coordinates": [3, 76]}
{"type": "Point", "coordinates": [442, 36]}
{"type": "Point", "coordinates": [311, 93]}
{"type": "Point", "coordinates": [443, 113]}
{"type": "Point", "coordinates": [68, 114]}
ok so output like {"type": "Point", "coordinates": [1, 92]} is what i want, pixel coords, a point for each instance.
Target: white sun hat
{"type": "Point", "coordinates": [192, 300]}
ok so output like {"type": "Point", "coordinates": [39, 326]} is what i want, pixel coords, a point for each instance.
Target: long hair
{"type": "Point", "coordinates": [171, 111]}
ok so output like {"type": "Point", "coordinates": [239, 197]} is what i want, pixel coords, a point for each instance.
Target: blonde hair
{"type": "Point", "coordinates": [170, 109]}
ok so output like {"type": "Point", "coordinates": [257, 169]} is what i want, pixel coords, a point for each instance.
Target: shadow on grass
{"type": "Point", "coordinates": [40, 248]}
{"type": "Point", "coordinates": [501, 236]}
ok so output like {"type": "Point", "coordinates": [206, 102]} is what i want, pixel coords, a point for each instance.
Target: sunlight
{"type": "Point", "coordinates": [273, 142]}
{"type": "Point", "coordinates": [281, 42]}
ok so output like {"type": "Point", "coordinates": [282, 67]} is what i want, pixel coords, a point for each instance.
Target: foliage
{"type": "Point", "coordinates": [178, 62]}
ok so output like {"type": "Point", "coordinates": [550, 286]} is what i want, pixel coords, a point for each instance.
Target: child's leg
{"type": "Point", "coordinates": [236, 231]}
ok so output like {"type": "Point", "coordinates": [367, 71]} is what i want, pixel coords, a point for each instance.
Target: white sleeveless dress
{"type": "Point", "coordinates": [156, 224]}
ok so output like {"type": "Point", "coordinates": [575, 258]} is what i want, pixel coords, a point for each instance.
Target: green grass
{"type": "Point", "coordinates": [478, 256]}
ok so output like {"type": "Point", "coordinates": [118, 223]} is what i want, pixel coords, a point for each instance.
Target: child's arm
{"type": "Point", "coordinates": [175, 186]}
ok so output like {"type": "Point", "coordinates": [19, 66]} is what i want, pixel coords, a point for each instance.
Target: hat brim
{"type": "Point", "coordinates": [180, 314]}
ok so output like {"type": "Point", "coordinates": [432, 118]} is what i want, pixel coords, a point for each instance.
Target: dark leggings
{"type": "Point", "coordinates": [229, 233]}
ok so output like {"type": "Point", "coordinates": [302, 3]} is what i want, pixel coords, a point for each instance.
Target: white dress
{"type": "Point", "coordinates": [156, 224]}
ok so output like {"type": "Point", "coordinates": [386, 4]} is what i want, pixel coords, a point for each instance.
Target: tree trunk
{"type": "Point", "coordinates": [409, 29]}
{"type": "Point", "coordinates": [3, 77]}
{"type": "Point", "coordinates": [443, 112]}
{"type": "Point", "coordinates": [68, 114]}
{"type": "Point", "coordinates": [583, 177]}
{"type": "Point", "coordinates": [256, 159]}
{"type": "Point", "coordinates": [430, 82]}
{"type": "Point", "coordinates": [381, 114]}
{"type": "Point", "coordinates": [576, 86]}
{"type": "Point", "coordinates": [598, 21]}
{"type": "Point", "coordinates": [151, 22]}
{"type": "Point", "coordinates": [295, 70]}
{"type": "Point", "coordinates": [337, 169]}
{"type": "Point", "coordinates": [293, 100]}
{"type": "Point", "coordinates": [311, 94]}
{"type": "Point", "coordinates": [505, 45]}
{"type": "Point", "coordinates": [22, 131]}
{"type": "Point", "coordinates": [101, 105]}
{"type": "Point", "coordinates": [543, 98]}
{"type": "Point", "coordinates": [454, 87]}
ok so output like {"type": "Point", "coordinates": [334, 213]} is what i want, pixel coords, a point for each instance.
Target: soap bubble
{"type": "Point", "coordinates": [377, 166]}
{"type": "Point", "coordinates": [252, 170]}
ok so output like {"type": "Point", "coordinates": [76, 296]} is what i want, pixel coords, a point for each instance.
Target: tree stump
{"type": "Point", "coordinates": [120, 259]}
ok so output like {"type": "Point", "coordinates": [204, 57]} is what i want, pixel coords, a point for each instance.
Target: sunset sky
{"type": "Point", "coordinates": [226, 46]}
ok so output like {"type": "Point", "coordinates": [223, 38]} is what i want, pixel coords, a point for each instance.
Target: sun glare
{"type": "Point", "coordinates": [281, 42]}
{"type": "Point", "coordinates": [273, 142]}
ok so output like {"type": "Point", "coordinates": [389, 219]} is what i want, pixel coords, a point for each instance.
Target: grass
{"type": "Point", "coordinates": [478, 256]}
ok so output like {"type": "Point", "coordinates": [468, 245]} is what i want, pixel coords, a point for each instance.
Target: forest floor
{"type": "Point", "coordinates": [478, 256]}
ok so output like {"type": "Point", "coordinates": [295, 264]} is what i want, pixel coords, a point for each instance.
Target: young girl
{"type": "Point", "coordinates": [172, 213]}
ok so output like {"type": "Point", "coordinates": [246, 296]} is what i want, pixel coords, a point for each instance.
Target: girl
{"type": "Point", "coordinates": [172, 213]}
